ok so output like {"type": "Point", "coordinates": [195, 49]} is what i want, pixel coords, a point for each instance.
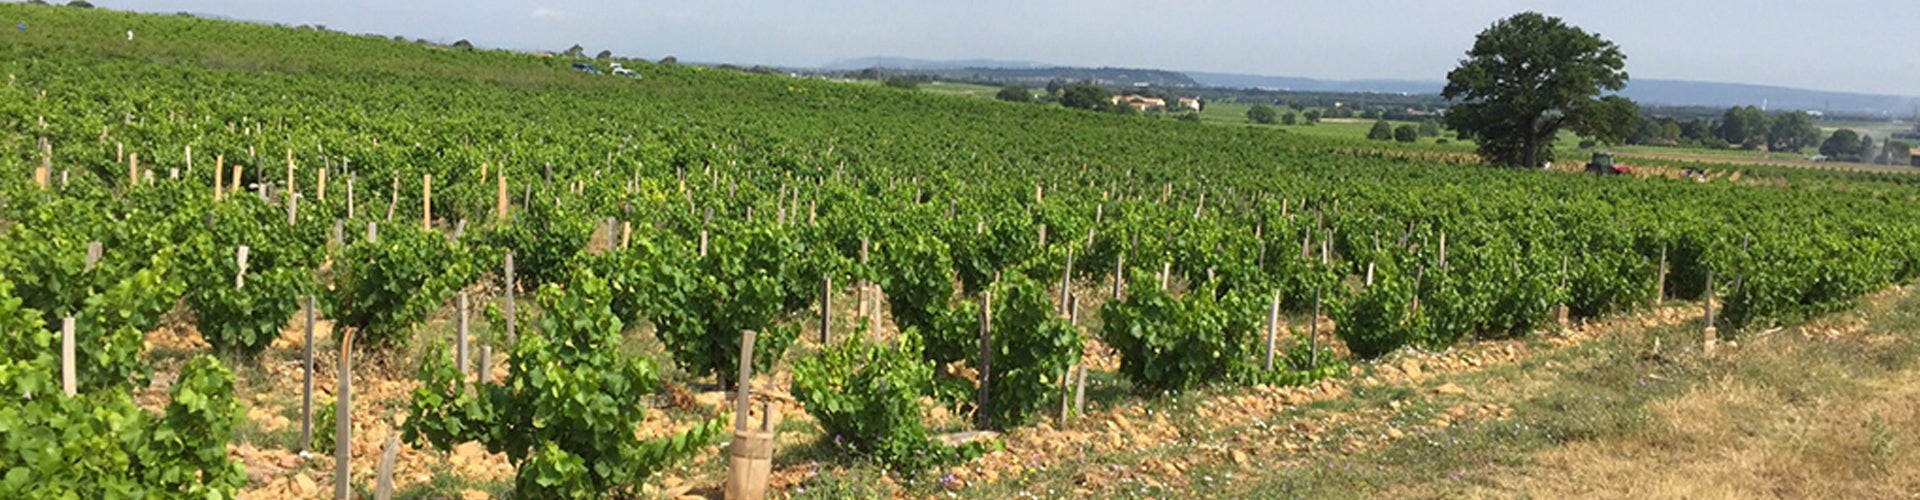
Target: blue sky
{"type": "Point", "coordinates": [1868, 46]}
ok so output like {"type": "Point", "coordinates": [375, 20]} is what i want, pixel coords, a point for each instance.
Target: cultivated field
{"type": "Point", "coordinates": [534, 282]}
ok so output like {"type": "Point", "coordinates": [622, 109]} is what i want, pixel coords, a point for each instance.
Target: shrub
{"type": "Point", "coordinates": [381, 289]}
{"type": "Point", "coordinates": [1032, 350]}
{"type": "Point", "coordinates": [702, 304]}
{"type": "Point", "coordinates": [1170, 343]}
{"type": "Point", "coordinates": [244, 321]}
{"type": "Point", "coordinates": [99, 444]}
{"type": "Point", "coordinates": [1378, 319]}
{"type": "Point", "coordinates": [569, 400]}
{"type": "Point", "coordinates": [867, 396]}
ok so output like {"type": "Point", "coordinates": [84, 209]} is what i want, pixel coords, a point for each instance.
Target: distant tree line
{"type": "Point", "coordinates": [1747, 127]}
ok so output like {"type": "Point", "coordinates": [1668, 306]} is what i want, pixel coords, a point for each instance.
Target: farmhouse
{"type": "Point", "coordinates": [1192, 103]}
{"type": "Point", "coordinates": [1139, 102]}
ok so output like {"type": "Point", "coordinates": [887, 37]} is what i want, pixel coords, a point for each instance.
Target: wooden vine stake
{"type": "Point", "coordinates": [321, 184]}
{"type": "Point", "coordinates": [69, 376]}
{"type": "Point", "coordinates": [1711, 333]}
{"type": "Point", "coordinates": [350, 178]}
{"type": "Point", "coordinates": [508, 286]}
{"type": "Point", "coordinates": [235, 188]}
{"type": "Point", "coordinates": [860, 300]}
{"type": "Point", "coordinates": [93, 255]}
{"type": "Point", "coordinates": [43, 176]}
{"type": "Point", "coordinates": [240, 258]}
{"type": "Point", "coordinates": [986, 359]}
{"type": "Point", "coordinates": [500, 199]}
{"type": "Point", "coordinates": [426, 202]}
{"type": "Point", "coordinates": [393, 200]}
{"type": "Point", "coordinates": [1660, 279]}
{"type": "Point", "coordinates": [383, 481]}
{"type": "Point", "coordinates": [485, 366]}
{"type": "Point", "coordinates": [460, 333]}
{"type": "Point", "coordinates": [826, 309]}
{"type": "Point", "coordinates": [1273, 328]}
{"type": "Point", "coordinates": [1066, 285]}
{"type": "Point", "coordinates": [750, 461]}
{"type": "Point", "coordinates": [1066, 379]}
{"type": "Point", "coordinates": [290, 188]}
{"type": "Point", "coordinates": [1313, 335]}
{"type": "Point", "coordinates": [343, 422]}
{"type": "Point", "coordinates": [306, 394]}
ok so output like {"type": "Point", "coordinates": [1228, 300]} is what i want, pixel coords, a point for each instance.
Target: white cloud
{"type": "Point", "coordinates": [546, 14]}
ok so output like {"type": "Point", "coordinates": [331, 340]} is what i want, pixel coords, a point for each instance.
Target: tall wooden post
{"type": "Point", "coordinates": [343, 422]}
{"type": "Point", "coordinates": [306, 393]}
{"type": "Point", "coordinates": [321, 192]}
{"type": "Point", "coordinates": [69, 375]}
{"type": "Point", "coordinates": [1710, 332]}
{"type": "Point", "coordinates": [500, 199]}
{"type": "Point", "coordinates": [350, 207]}
{"type": "Point", "coordinates": [460, 332]}
{"type": "Point", "coordinates": [1273, 327]}
{"type": "Point", "coordinates": [1660, 280]}
{"type": "Point", "coordinates": [1066, 283]}
{"type": "Point", "coordinates": [383, 478]}
{"type": "Point", "coordinates": [986, 360]}
{"type": "Point", "coordinates": [508, 286]}
{"type": "Point", "coordinates": [426, 202]}
{"type": "Point", "coordinates": [219, 173]}
{"type": "Point", "coordinates": [235, 188]}
{"type": "Point", "coordinates": [826, 309]}
{"type": "Point", "coordinates": [1313, 337]}
{"type": "Point", "coordinates": [290, 188]}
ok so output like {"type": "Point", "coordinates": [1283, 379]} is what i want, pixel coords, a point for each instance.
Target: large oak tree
{"type": "Point", "coordinates": [1529, 75]}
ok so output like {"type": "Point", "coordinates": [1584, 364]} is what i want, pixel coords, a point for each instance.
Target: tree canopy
{"type": "Point", "coordinates": [1792, 131]}
{"type": "Point", "coordinates": [1014, 93]}
{"type": "Point", "coordinates": [1525, 78]}
{"type": "Point", "coordinates": [1381, 131]}
{"type": "Point", "coordinates": [1843, 144]}
{"type": "Point", "coordinates": [1744, 125]}
{"type": "Point", "coordinates": [1084, 96]}
{"type": "Point", "coordinates": [1261, 114]}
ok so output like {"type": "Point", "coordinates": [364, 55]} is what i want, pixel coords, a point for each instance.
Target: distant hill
{"type": "Point", "coordinates": [1646, 91]}
{"type": "Point", "coordinates": [905, 63]}
{"type": "Point", "coordinates": [1302, 84]}
{"type": "Point", "coordinates": [1686, 93]}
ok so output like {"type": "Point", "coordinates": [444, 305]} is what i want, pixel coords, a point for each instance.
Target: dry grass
{"type": "Point", "coordinates": [1735, 437]}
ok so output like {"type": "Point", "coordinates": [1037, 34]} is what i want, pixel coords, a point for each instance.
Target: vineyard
{"type": "Point", "coordinates": [557, 266]}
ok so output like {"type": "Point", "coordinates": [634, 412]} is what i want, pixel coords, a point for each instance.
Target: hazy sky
{"type": "Point", "coordinates": [1861, 45]}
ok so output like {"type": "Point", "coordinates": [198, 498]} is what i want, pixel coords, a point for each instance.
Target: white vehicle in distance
{"type": "Point", "coordinates": [617, 70]}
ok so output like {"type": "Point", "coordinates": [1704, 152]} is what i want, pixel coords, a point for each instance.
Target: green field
{"type": "Point", "coordinates": [909, 265]}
